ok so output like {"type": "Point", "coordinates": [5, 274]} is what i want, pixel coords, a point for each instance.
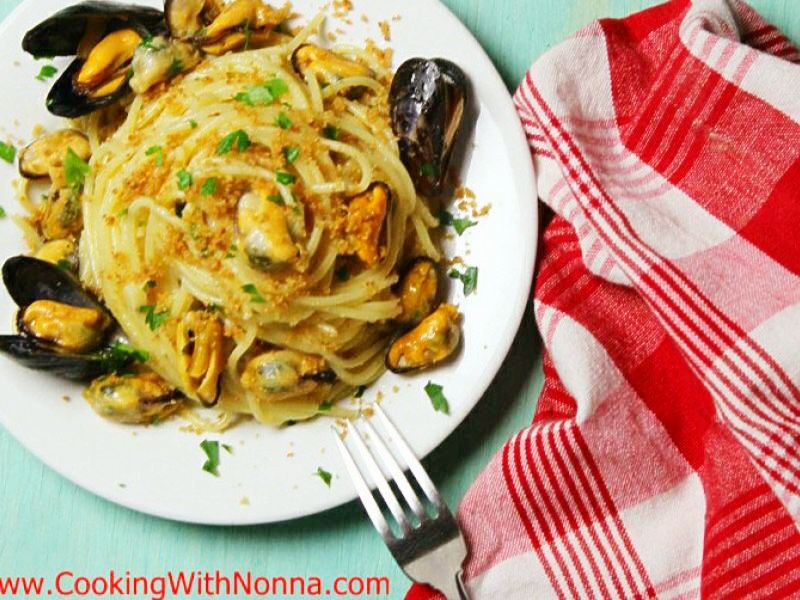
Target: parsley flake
{"type": "Point", "coordinates": [331, 132]}
{"type": "Point", "coordinates": [468, 278]}
{"type": "Point", "coordinates": [154, 319]}
{"type": "Point", "coordinates": [185, 180]}
{"type": "Point", "coordinates": [276, 199]}
{"type": "Point", "coordinates": [326, 406]}
{"type": "Point", "coordinates": [255, 295]}
{"type": "Point", "coordinates": [261, 95]}
{"type": "Point", "coordinates": [175, 68]}
{"type": "Point", "coordinates": [192, 123]}
{"type": "Point", "coordinates": [211, 448]}
{"type": "Point", "coordinates": [46, 72]}
{"type": "Point", "coordinates": [2, 213]}
{"type": "Point", "coordinates": [119, 355]}
{"type": "Point", "coordinates": [459, 224]}
{"type": "Point", "coordinates": [8, 152]}
{"type": "Point", "coordinates": [209, 187]}
{"type": "Point", "coordinates": [283, 121]}
{"type": "Point", "coordinates": [285, 178]}
{"type": "Point", "coordinates": [75, 170]}
{"type": "Point", "coordinates": [324, 476]}
{"type": "Point", "coordinates": [436, 395]}
{"type": "Point", "coordinates": [291, 154]}
{"type": "Point", "coordinates": [238, 137]}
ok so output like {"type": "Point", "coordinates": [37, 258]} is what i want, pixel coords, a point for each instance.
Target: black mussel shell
{"type": "Point", "coordinates": [428, 100]}
{"type": "Point", "coordinates": [35, 355]}
{"type": "Point", "coordinates": [61, 34]}
{"type": "Point", "coordinates": [29, 279]}
{"type": "Point", "coordinates": [65, 100]}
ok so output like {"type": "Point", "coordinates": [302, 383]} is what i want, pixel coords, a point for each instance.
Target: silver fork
{"type": "Point", "coordinates": [429, 552]}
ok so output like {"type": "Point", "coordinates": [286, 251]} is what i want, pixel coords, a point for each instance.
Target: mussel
{"type": "Point", "coordinates": [431, 342]}
{"type": "Point", "coordinates": [428, 99]}
{"type": "Point", "coordinates": [139, 399]}
{"type": "Point", "coordinates": [62, 328]}
{"type": "Point", "coordinates": [279, 375]}
{"type": "Point", "coordinates": [366, 222]}
{"type": "Point", "coordinates": [104, 37]}
{"type": "Point", "coordinates": [44, 157]}
{"type": "Point", "coordinates": [200, 340]}
{"type": "Point", "coordinates": [218, 28]}
{"type": "Point", "coordinates": [265, 232]}
{"type": "Point", "coordinates": [61, 252]}
{"type": "Point", "coordinates": [328, 67]}
{"type": "Point", "coordinates": [419, 291]}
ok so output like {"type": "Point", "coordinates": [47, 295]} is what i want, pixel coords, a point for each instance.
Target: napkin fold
{"type": "Point", "coordinates": [664, 457]}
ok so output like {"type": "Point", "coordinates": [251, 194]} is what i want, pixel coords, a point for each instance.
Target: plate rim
{"type": "Point", "coordinates": [524, 184]}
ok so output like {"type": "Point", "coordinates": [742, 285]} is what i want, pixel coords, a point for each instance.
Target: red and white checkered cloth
{"type": "Point", "coordinates": [664, 459]}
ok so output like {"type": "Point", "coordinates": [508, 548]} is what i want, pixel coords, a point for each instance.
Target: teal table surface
{"type": "Point", "coordinates": [48, 525]}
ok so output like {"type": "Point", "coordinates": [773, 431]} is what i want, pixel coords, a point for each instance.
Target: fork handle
{"type": "Point", "coordinates": [462, 589]}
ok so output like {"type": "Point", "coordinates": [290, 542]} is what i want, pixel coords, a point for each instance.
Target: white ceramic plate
{"type": "Point", "coordinates": [268, 477]}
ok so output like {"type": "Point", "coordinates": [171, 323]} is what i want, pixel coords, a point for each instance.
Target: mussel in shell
{"type": "Point", "coordinates": [264, 232]}
{"type": "Point", "coordinates": [139, 399]}
{"type": "Point", "coordinates": [431, 342]}
{"type": "Point", "coordinates": [328, 67]}
{"type": "Point", "coordinates": [200, 339]}
{"type": "Point", "coordinates": [104, 37]}
{"type": "Point", "coordinates": [428, 99]}
{"type": "Point", "coordinates": [279, 375]}
{"type": "Point", "coordinates": [419, 291]}
{"type": "Point", "coordinates": [367, 214]}
{"type": "Point", "coordinates": [44, 157]}
{"type": "Point", "coordinates": [62, 328]}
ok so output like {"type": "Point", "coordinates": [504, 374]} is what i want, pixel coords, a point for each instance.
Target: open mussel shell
{"type": "Point", "coordinates": [419, 289]}
{"type": "Point", "coordinates": [32, 354]}
{"type": "Point", "coordinates": [434, 340]}
{"type": "Point", "coordinates": [29, 279]}
{"type": "Point", "coordinates": [428, 99]}
{"type": "Point", "coordinates": [65, 100]}
{"type": "Point", "coordinates": [61, 34]}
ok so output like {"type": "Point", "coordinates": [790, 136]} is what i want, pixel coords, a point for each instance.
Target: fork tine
{"type": "Point", "coordinates": [397, 472]}
{"type": "Point", "coordinates": [377, 477]}
{"type": "Point", "coordinates": [410, 459]}
{"type": "Point", "coordinates": [372, 508]}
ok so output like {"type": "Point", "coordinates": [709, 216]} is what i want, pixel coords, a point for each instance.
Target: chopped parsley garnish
{"type": "Point", "coordinates": [261, 95]}
{"type": "Point", "coordinates": [175, 68]}
{"type": "Point", "coordinates": [211, 448]}
{"type": "Point", "coordinates": [439, 402]}
{"type": "Point", "coordinates": [185, 180]}
{"type": "Point", "coordinates": [291, 154]}
{"type": "Point", "coordinates": [158, 152]}
{"type": "Point", "coordinates": [118, 355]}
{"type": "Point", "coordinates": [283, 121]}
{"type": "Point", "coordinates": [75, 170]}
{"type": "Point", "coordinates": [64, 265]}
{"type": "Point", "coordinates": [232, 251]}
{"type": "Point", "coordinates": [255, 295]}
{"type": "Point", "coordinates": [331, 132]}
{"type": "Point", "coordinates": [228, 448]}
{"type": "Point", "coordinates": [209, 187]}
{"type": "Point", "coordinates": [276, 199]}
{"type": "Point", "coordinates": [8, 152]}
{"type": "Point", "coordinates": [147, 42]}
{"type": "Point", "coordinates": [46, 72]}
{"type": "Point", "coordinates": [154, 319]}
{"type": "Point", "coordinates": [326, 406]}
{"type": "Point", "coordinates": [238, 138]}
{"type": "Point", "coordinates": [2, 213]}
{"type": "Point", "coordinates": [459, 224]}
{"type": "Point", "coordinates": [192, 123]}
{"type": "Point", "coordinates": [469, 278]}
{"type": "Point", "coordinates": [285, 178]}
{"type": "Point", "coordinates": [324, 476]}
{"type": "Point", "coordinates": [123, 213]}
